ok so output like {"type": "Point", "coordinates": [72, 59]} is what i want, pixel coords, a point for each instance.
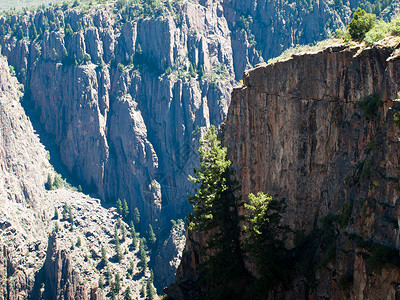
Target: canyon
{"type": "Point", "coordinates": [310, 140]}
{"type": "Point", "coordinates": [123, 91]}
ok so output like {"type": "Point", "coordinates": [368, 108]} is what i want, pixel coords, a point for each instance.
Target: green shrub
{"type": "Point", "coordinates": [49, 183]}
{"type": "Point", "coordinates": [361, 23]}
{"type": "Point", "coordinates": [382, 256]}
{"type": "Point", "coordinates": [340, 34]}
{"type": "Point", "coordinates": [370, 106]}
{"type": "Point", "coordinates": [58, 182]}
{"type": "Point", "coordinates": [120, 67]}
{"type": "Point", "coordinates": [101, 282]}
{"type": "Point", "coordinates": [396, 119]}
{"type": "Point", "coordinates": [378, 32]}
{"type": "Point", "coordinates": [104, 259]}
{"type": "Point", "coordinates": [345, 214]}
{"type": "Point", "coordinates": [394, 25]}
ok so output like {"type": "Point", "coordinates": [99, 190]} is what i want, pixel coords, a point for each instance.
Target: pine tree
{"type": "Point", "coordinates": [118, 250]}
{"type": "Point", "coordinates": [132, 267]}
{"type": "Point", "coordinates": [71, 219]}
{"type": "Point", "coordinates": [128, 294]}
{"type": "Point", "coordinates": [361, 23]}
{"type": "Point", "coordinates": [133, 235]}
{"type": "Point", "coordinates": [150, 290]}
{"type": "Point", "coordinates": [117, 283]}
{"type": "Point", "coordinates": [55, 213]}
{"type": "Point", "coordinates": [101, 282]}
{"type": "Point", "coordinates": [136, 216]}
{"type": "Point", "coordinates": [215, 212]}
{"type": "Point", "coordinates": [56, 227]}
{"type": "Point", "coordinates": [142, 255]}
{"type": "Point", "coordinates": [265, 238]}
{"type": "Point", "coordinates": [65, 210]}
{"type": "Point", "coordinates": [143, 290]}
{"type": "Point", "coordinates": [104, 259]}
{"type": "Point", "coordinates": [125, 210]}
{"type": "Point", "coordinates": [49, 183]}
{"type": "Point", "coordinates": [119, 207]}
{"type": "Point", "coordinates": [151, 236]}
{"type": "Point", "coordinates": [116, 237]}
{"type": "Point", "coordinates": [123, 230]}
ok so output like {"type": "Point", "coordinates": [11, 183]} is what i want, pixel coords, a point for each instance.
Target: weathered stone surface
{"type": "Point", "coordinates": [296, 129]}
{"type": "Point", "coordinates": [28, 258]}
{"type": "Point", "coordinates": [142, 149]}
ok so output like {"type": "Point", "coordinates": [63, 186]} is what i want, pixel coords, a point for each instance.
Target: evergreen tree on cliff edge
{"type": "Point", "coordinates": [215, 213]}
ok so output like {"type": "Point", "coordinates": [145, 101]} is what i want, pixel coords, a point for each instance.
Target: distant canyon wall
{"type": "Point", "coordinates": [126, 96]}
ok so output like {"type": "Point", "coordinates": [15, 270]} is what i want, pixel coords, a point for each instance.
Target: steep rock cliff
{"type": "Point", "coordinates": [297, 129]}
{"type": "Point", "coordinates": [65, 265]}
{"type": "Point", "coordinates": [125, 91]}
{"type": "Point", "coordinates": [138, 119]}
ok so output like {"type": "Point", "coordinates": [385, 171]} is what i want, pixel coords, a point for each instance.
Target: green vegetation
{"type": "Point", "coordinates": [382, 256]}
{"type": "Point", "coordinates": [142, 255]}
{"type": "Point", "coordinates": [301, 49]}
{"type": "Point", "coordinates": [396, 119]}
{"type": "Point", "coordinates": [151, 237]}
{"type": "Point", "coordinates": [125, 210]}
{"type": "Point", "coordinates": [265, 240]}
{"type": "Point", "coordinates": [215, 212]}
{"type": "Point", "coordinates": [361, 23]}
{"type": "Point", "coordinates": [345, 281]}
{"type": "Point", "coordinates": [128, 294]}
{"type": "Point", "coordinates": [49, 183]}
{"type": "Point", "coordinates": [56, 227]}
{"type": "Point", "coordinates": [319, 245]}
{"type": "Point", "coordinates": [136, 216]}
{"type": "Point", "coordinates": [116, 285]}
{"type": "Point", "coordinates": [57, 183]}
{"type": "Point", "coordinates": [133, 235]}
{"type": "Point", "coordinates": [104, 259]}
{"type": "Point", "coordinates": [345, 214]}
{"type": "Point", "coordinates": [363, 27]}
{"type": "Point", "coordinates": [19, 4]}
{"type": "Point", "coordinates": [123, 232]}
{"type": "Point", "coordinates": [119, 207]}
{"type": "Point", "coordinates": [101, 282]}
{"type": "Point", "coordinates": [118, 250]}
{"type": "Point", "coordinates": [78, 242]}
{"type": "Point", "coordinates": [370, 106]}
{"type": "Point", "coordinates": [67, 215]}
{"type": "Point", "coordinates": [151, 293]}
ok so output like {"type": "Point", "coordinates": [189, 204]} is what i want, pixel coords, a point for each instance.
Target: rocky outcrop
{"type": "Point", "coordinates": [175, 243]}
{"type": "Point", "coordinates": [67, 265]}
{"type": "Point", "coordinates": [125, 92]}
{"type": "Point", "coordinates": [63, 281]}
{"type": "Point", "coordinates": [301, 129]}
{"type": "Point", "coordinates": [138, 119]}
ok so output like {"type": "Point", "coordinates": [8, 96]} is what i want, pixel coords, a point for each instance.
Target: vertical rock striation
{"type": "Point", "coordinates": [84, 99]}
{"type": "Point", "coordinates": [67, 265]}
{"type": "Point", "coordinates": [297, 129]}
{"type": "Point", "coordinates": [126, 92]}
